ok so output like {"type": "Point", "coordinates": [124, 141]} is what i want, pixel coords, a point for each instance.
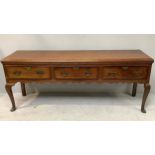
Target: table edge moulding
{"type": "Point", "coordinates": [79, 66]}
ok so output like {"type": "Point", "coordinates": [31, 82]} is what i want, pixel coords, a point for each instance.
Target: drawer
{"type": "Point", "coordinates": [76, 73]}
{"type": "Point", "coordinates": [127, 73]}
{"type": "Point", "coordinates": [28, 72]}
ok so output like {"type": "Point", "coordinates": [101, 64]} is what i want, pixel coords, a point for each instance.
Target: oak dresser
{"type": "Point", "coordinates": [102, 66]}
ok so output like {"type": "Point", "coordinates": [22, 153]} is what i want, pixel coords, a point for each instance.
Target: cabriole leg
{"type": "Point", "coordinates": [8, 88]}
{"type": "Point", "coordinates": [147, 88]}
{"type": "Point", "coordinates": [134, 89]}
{"type": "Point", "coordinates": [23, 89]}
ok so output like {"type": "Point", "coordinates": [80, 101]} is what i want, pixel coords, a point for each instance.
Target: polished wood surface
{"type": "Point", "coordinates": [102, 66]}
{"type": "Point", "coordinates": [79, 56]}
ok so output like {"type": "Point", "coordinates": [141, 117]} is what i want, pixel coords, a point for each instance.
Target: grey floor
{"type": "Point", "coordinates": [77, 107]}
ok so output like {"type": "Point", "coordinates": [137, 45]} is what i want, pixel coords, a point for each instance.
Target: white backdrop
{"type": "Point", "coordinates": [11, 43]}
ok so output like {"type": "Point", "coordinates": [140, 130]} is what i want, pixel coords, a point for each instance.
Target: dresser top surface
{"type": "Point", "coordinates": [25, 56]}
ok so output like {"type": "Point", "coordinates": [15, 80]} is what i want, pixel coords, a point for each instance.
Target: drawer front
{"type": "Point", "coordinates": [126, 73]}
{"type": "Point", "coordinates": [28, 72]}
{"type": "Point", "coordinates": [76, 73]}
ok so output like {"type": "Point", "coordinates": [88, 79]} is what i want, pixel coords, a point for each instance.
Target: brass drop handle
{"type": "Point", "coordinates": [76, 68]}
{"type": "Point", "coordinates": [64, 74]}
{"type": "Point", "coordinates": [88, 73]}
{"type": "Point", "coordinates": [40, 72]}
{"type": "Point", "coordinates": [17, 73]}
{"type": "Point", "coordinates": [28, 68]}
{"type": "Point", "coordinates": [125, 68]}
{"type": "Point", "coordinates": [137, 72]}
{"type": "Point", "coordinates": [112, 74]}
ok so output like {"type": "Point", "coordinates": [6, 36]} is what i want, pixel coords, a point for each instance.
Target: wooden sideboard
{"type": "Point", "coordinates": [102, 66]}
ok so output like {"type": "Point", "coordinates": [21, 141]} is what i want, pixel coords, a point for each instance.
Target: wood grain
{"type": "Point", "coordinates": [78, 66]}
{"type": "Point", "coordinates": [28, 72]}
{"type": "Point", "coordinates": [125, 73]}
{"type": "Point", "coordinates": [76, 73]}
{"type": "Point", "coordinates": [103, 56]}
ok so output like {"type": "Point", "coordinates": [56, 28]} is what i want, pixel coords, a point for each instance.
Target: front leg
{"type": "Point", "coordinates": [8, 88]}
{"type": "Point", "coordinates": [23, 89]}
{"type": "Point", "coordinates": [147, 88]}
{"type": "Point", "coordinates": [134, 89]}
